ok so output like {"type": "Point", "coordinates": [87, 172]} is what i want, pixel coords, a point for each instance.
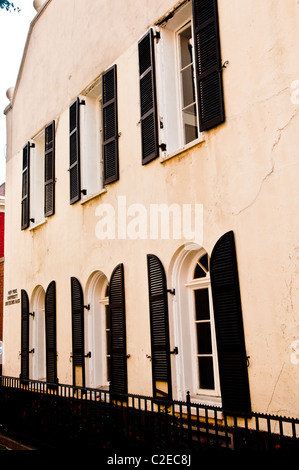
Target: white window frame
{"type": "Point", "coordinates": [38, 334]}
{"type": "Point", "coordinates": [95, 331]}
{"type": "Point", "coordinates": [91, 155]}
{"type": "Point", "coordinates": [37, 180]}
{"type": "Point", "coordinates": [182, 327]}
{"type": "Point", "coordinates": [180, 82]}
{"type": "Point", "coordinates": [192, 286]}
{"type": "Point", "coordinates": [169, 84]}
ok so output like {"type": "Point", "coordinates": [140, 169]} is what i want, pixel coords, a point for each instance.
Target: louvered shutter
{"type": "Point", "coordinates": [49, 202]}
{"type": "Point", "coordinates": [75, 170]}
{"type": "Point", "coordinates": [51, 351]}
{"type": "Point", "coordinates": [159, 324]}
{"type": "Point", "coordinates": [24, 336]}
{"type": "Point", "coordinates": [208, 67]}
{"type": "Point", "coordinates": [148, 98]}
{"type": "Point", "coordinates": [110, 125]}
{"type": "Point", "coordinates": [118, 331]}
{"type": "Point", "coordinates": [229, 326]}
{"type": "Point", "coordinates": [78, 332]}
{"type": "Point", "coordinates": [25, 187]}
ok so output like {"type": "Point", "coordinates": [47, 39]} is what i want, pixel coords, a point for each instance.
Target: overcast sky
{"type": "Point", "coordinates": [14, 27]}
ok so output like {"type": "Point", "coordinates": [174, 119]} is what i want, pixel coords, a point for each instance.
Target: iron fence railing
{"type": "Point", "coordinates": [64, 416]}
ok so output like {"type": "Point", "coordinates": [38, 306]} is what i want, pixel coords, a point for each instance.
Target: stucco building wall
{"type": "Point", "coordinates": [244, 173]}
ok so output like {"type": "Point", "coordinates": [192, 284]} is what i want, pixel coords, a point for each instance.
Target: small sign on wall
{"type": "Point", "coordinates": [12, 297]}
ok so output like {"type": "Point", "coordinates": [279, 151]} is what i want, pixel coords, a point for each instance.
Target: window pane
{"type": "Point", "coordinates": [188, 105]}
{"type": "Point", "coordinates": [204, 261]}
{"type": "Point", "coordinates": [186, 48]}
{"type": "Point", "coordinates": [202, 267]}
{"type": "Point", "coordinates": [190, 124]}
{"type": "Point", "coordinates": [202, 309]}
{"type": "Point", "coordinates": [204, 344]}
{"type": "Point", "coordinates": [188, 86]}
{"type": "Point", "coordinates": [206, 373]}
{"type": "Point", "coordinates": [199, 272]}
{"type": "Point", "coordinates": [190, 133]}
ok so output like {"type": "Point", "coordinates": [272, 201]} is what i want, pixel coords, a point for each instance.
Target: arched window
{"type": "Point", "coordinates": [204, 331]}
{"type": "Point", "coordinates": [195, 368]}
{"type": "Point", "coordinates": [38, 333]}
{"type": "Point", "coordinates": [202, 328]}
{"type": "Point", "coordinates": [97, 330]}
{"type": "Point", "coordinates": [207, 325]}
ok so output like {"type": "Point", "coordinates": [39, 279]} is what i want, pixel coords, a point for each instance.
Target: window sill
{"type": "Point", "coordinates": [209, 401]}
{"type": "Point", "coordinates": [93, 196]}
{"type": "Point", "coordinates": [37, 224]}
{"type": "Point", "coordinates": [165, 157]}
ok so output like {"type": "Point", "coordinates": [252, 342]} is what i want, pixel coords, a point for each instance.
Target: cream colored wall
{"type": "Point", "coordinates": [245, 173]}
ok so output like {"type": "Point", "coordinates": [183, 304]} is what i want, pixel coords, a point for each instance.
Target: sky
{"type": "Point", "coordinates": [14, 27]}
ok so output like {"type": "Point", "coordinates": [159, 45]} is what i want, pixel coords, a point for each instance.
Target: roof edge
{"type": "Point", "coordinates": [34, 20]}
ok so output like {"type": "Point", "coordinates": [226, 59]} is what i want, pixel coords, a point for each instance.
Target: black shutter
{"type": "Point", "coordinates": [78, 332]}
{"type": "Point", "coordinates": [24, 336]}
{"type": "Point", "coordinates": [110, 125]}
{"type": "Point", "coordinates": [51, 351]}
{"type": "Point", "coordinates": [118, 331]}
{"type": "Point", "coordinates": [49, 202]}
{"type": "Point", "coordinates": [75, 170]}
{"type": "Point", "coordinates": [208, 67]}
{"type": "Point", "coordinates": [159, 328]}
{"type": "Point", "coordinates": [148, 98]}
{"type": "Point", "coordinates": [25, 187]}
{"type": "Point", "coordinates": [229, 326]}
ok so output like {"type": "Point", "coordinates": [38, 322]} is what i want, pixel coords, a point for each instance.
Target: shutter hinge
{"type": "Point", "coordinates": [87, 307]}
{"type": "Point", "coordinates": [31, 351]}
{"type": "Point", "coordinates": [32, 220]}
{"type": "Point", "coordinates": [82, 102]}
{"type": "Point", "coordinates": [88, 354]}
{"type": "Point", "coordinates": [157, 35]}
{"type": "Point", "coordinates": [247, 361]}
{"type": "Point", "coordinates": [224, 65]}
{"type": "Point", "coordinates": [32, 314]}
{"type": "Point", "coordinates": [32, 145]}
{"type": "Point", "coordinates": [162, 147]}
{"type": "Point", "coordinates": [171, 291]}
{"type": "Point", "coordinates": [175, 350]}
{"type": "Point", "coordinates": [84, 191]}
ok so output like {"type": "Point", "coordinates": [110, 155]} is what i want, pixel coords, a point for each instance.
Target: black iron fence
{"type": "Point", "coordinates": [65, 416]}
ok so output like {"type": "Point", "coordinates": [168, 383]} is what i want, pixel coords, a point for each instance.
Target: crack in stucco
{"type": "Point", "coordinates": [275, 385]}
{"type": "Point", "coordinates": [270, 97]}
{"type": "Point", "coordinates": [272, 162]}
{"type": "Point", "coordinates": [258, 192]}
